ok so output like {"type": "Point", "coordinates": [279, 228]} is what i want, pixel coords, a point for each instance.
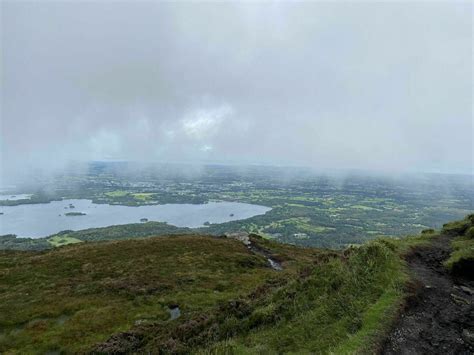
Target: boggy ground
{"type": "Point", "coordinates": [439, 316]}
{"type": "Point", "coordinates": [69, 298]}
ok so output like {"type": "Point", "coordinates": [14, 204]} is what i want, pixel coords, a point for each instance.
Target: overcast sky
{"type": "Point", "coordinates": [328, 85]}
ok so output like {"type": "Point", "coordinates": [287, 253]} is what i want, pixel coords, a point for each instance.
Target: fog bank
{"type": "Point", "coordinates": [329, 85]}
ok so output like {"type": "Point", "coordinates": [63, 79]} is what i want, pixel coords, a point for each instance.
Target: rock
{"type": "Point", "coordinates": [459, 299]}
{"type": "Point", "coordinates": [275, 264]}
{"type": "Point", "coordinates": [240, 236]}
{"type": "Point", "coordinates": [468, 336]}
{"type": "Point", "coordinates": [174, 311]}
{"type": "Point", "coordinates": [468, 290]}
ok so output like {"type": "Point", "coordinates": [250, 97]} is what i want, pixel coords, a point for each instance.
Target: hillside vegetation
{"type": "Point", "coordinates": [461, 261]}
{"type": "Point", "coordinates": [116, 296]}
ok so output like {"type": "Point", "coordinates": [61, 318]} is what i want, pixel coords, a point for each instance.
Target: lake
{"type": "Point", "coordinates": [40, 220]}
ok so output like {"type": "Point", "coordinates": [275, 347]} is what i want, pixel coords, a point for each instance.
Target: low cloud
{"type": "Point", "coordinates": [204, 123]}
{"type": "Point", "coordinates": [329, 85]}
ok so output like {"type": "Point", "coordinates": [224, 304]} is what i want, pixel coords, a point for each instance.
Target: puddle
{"type": "Point", "coordinates": [62, 319]}
{"type": "Point", "coordinates": [174, 312]}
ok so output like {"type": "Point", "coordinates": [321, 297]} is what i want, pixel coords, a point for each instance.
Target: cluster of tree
{"type": "Point", "coordinates": [11, 242]}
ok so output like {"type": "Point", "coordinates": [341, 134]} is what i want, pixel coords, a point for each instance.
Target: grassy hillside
{"type": "Point", "coordinates": [118, 232]}
{"type": "Point", "coordinates": [461, 260]}
{"type": "Point", "coordinates": [115, 296]}
{"type": "Point", "coordinates": [71, 297]}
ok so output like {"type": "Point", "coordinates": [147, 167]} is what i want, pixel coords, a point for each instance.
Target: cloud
{"type": "Point", "coordinates": [203, 123]}
{"type": "Point", "coordinates": [104, 145]}
{"type": "Point", "coordinates": [370, 85]}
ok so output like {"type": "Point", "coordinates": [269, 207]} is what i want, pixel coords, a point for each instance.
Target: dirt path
{"type": "Point", "coordinates": [439, 317]}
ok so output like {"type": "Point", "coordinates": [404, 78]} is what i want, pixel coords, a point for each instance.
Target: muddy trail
{"type": "Point", "coordinates": [439, 314]}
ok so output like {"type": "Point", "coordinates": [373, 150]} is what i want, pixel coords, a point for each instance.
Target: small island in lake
{"type": "Point", "coordinates": [70, 214]}
{"type": "Point", "coordinates": [143, 219]}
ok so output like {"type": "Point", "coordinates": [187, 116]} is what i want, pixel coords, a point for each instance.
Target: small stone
{"type": "Point", "coordinates": [468, 336]}
{"type": "Point", "coordinates": [468, 290]}
{"type": "Point", "coordinates": [240, 236]}
{"type": "Point", "coordinates": [459, 299]}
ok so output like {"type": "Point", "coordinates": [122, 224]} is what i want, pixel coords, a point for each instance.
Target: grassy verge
{"type": "Point", "coordinates": [340, 306]}
{"type": "Point", "coordinates": [461, 259]}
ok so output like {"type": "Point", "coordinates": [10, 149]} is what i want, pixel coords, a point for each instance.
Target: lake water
{"type": "Point", "coordinates": [40, 220]}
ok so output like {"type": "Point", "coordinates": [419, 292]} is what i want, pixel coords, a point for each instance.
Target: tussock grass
{"type": "Point", "coordinates": [461, 259]}
{"type": "Point", "coordinates": [327, 302]}
{"type": "Point", "coordinates": [98, 289]}
{"type": "Point", "coordinates": [342, 306]}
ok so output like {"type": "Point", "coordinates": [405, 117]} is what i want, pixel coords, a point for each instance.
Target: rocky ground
{"type": "Point", "coordinates": [439, 316]}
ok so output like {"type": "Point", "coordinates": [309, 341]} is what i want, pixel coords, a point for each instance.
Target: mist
{"type": "Point", "coordinates": [377, 86]}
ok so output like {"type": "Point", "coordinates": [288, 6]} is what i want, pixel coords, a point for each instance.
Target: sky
{"type": "Point", "coordinates": [354, 85]}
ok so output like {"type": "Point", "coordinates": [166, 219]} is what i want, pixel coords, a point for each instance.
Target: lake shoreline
{"type": "Point", "coordinates": [44, 220]}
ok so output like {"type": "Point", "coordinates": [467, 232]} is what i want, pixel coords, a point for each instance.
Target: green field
{"type": "Point", "coordinates": [116, 193]}
{"type": "Point", "coordinates": [57, 240]}
{"type": "Point", "coordinates": [307, 209]}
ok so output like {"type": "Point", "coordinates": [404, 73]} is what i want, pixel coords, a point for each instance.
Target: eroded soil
{"type": "Point", "coordinates": [439, 315]}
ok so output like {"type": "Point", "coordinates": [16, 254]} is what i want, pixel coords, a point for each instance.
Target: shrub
{"type": "Point", "coordinates": [428, 231]}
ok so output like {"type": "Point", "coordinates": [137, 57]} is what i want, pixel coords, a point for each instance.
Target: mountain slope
{"type": "Point", "coordinates": [197, 294]}
{"type": "Point", "coordinates": [439, 317]}
{"type": "Point", "coordinates": [72, 297]}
